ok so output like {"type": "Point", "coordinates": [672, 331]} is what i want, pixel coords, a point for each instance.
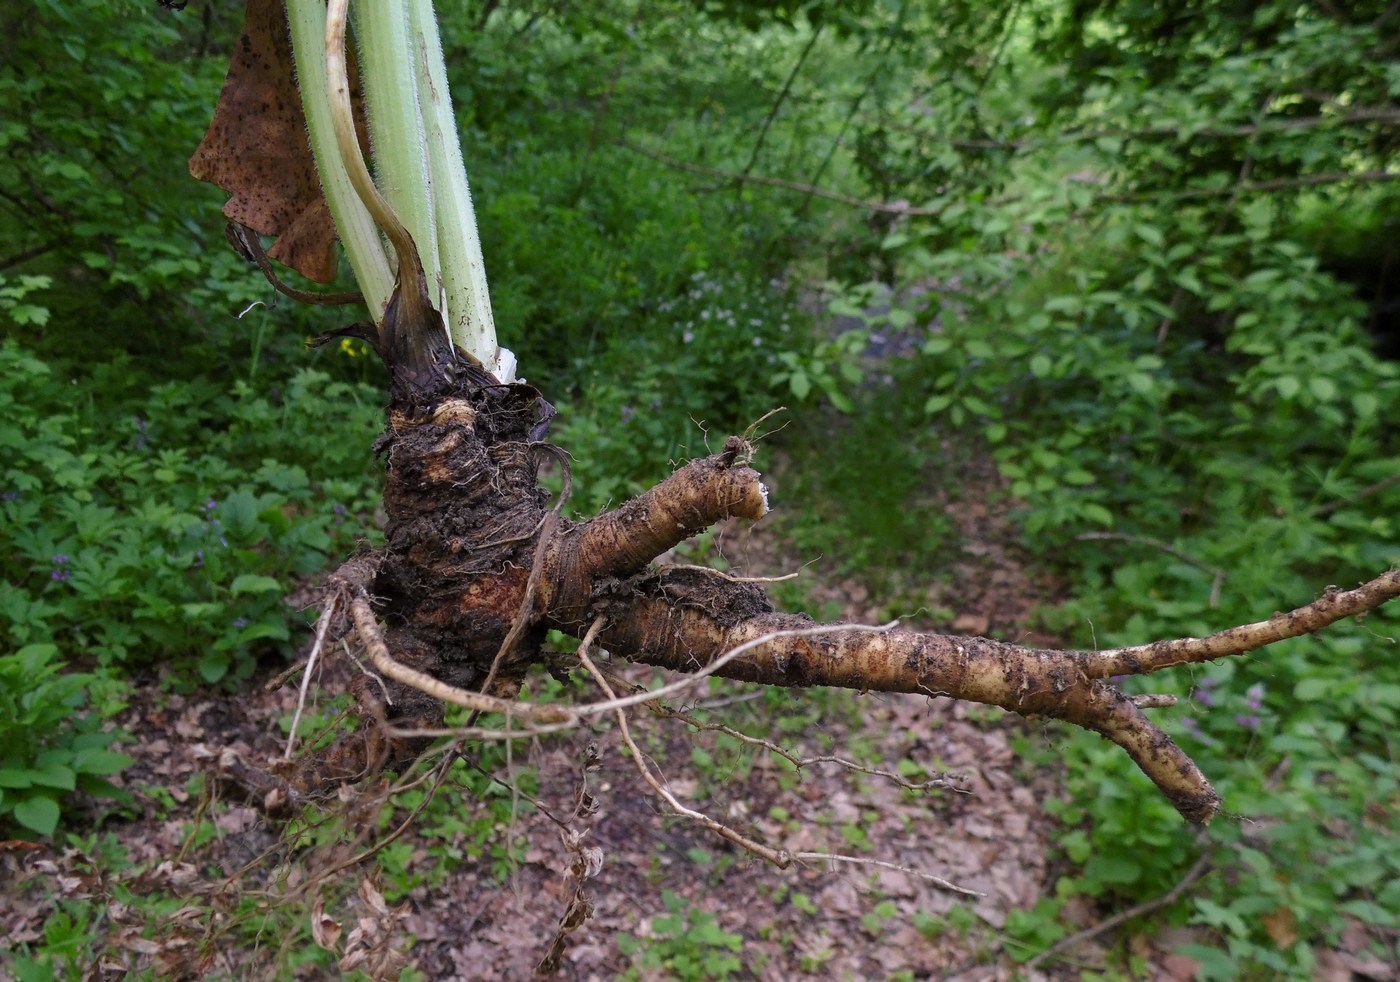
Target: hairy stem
{"type": "Point", "coordinates": [468, 302]}
{"type": "Point", "coordinates": [357, 228]}
{"type": "Point", "coordinates": [396, 128]}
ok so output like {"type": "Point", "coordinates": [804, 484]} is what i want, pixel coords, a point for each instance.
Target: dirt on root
{"type": "Point", "coordinates": [982, 846]}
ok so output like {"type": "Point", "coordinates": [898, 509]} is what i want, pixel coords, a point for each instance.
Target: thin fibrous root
{"type": "Point", "coordinates": [373, 640]}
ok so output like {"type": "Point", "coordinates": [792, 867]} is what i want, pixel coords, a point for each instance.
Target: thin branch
{"type": "Point", "coordinates": [1281, 184]}
{"type": "Point", "coordinates": [1323, 510]}
{"type": "Point", "coordinates": [1282, 124]}
{"type": "Point", "coordinates": [1067, 685]}
{"type": "Point", "coordinates": [893, 208]}
{"type": "Point", "coordinates": [1332, 606]}
{"type": "Point", "coordinates": [1170, 549]}
{"type": "Point", "coordinates": [322, 626]}
{"type": "Point", "coordinates": [782, 97]}
{"type": "Point", "coordinates": [797, 760]}
{"type": "Point", "coordinates": [1197, 870]}
{"type": "Point", "coordinates": [833, 857]}
{"type": "Point", "coordinates": [525, 613]}
{"type": "Point", "coordinates": [245, 241]}
{"type": "Point", "coordinates": [780, 858]}
{"type": "Point", "coordinates": [690, 680]}
{"type": "Point", "coordinates": [599, 112]}
{"type": "Point", "coordinates": [721, 574]}
{"type": "Point", "coordinates": [19, 258]}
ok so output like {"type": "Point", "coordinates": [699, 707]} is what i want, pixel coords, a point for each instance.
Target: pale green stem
{"type": "Point", "coordinates": [358, 231]}
{"type": "Point", "coordinates": [396, 128]}
{"type": "Point", "coordinates": [343, 122]}
{"type": "Point", "coordinates": [469, 322]}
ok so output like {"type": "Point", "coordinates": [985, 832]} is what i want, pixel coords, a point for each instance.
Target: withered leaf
{"type": "Point", "coordinates": [256, 148]}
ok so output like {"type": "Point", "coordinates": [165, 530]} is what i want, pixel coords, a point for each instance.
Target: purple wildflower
{"type": "Point", "coordinates": [1248, 722]}
{"type": "Point", "coordinates": [627, 413]}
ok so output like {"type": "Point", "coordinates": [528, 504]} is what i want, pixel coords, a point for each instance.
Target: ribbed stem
{"type": "Point", "coordinates": [358, 231]}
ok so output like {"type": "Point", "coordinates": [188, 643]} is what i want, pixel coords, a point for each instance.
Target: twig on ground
{"type": "Point", "coordinates": [833, 857]}
{"type": "Point", "coordinates": [1197, 870]}
{"type": "Point", "coordinates": [778, 857]}
{"type": "Point", "coordinates": [729, 576]}
{"type": "Point", "coordinates": [798, 761]}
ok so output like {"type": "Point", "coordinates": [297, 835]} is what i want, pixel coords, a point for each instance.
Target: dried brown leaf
{"type": "Point", "coordinates": [256, 148]}
{"type": "Point", "coordinates": [325, 930]}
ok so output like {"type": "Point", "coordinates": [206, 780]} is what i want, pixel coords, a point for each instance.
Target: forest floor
{"type": "Point", "coordinates": [706, 909]}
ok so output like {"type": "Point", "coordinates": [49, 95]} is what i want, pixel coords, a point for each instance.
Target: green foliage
{"type": "Point", "coordinates": [684, 944]}
{"type": "Point", "coordinates": [166, 525]}
{"type": "Point", "coordinates": [153, 524]}
{"type": "Point", "coordinates": [701, 364]}
{"type": "Point", "coordinates": [48, 747]}
{"type": "Point", "coordinates": [1131, 288]}
{"type": "Point", "coordinates": [1125, 302]}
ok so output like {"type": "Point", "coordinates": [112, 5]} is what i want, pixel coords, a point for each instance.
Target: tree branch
{"type": "Point", "coordinates": [892, 208]}
{"type": "Point", "coordinates": [1281, 184]}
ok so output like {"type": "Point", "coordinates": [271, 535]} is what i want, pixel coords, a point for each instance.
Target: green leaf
{"type": "Point", "coordinates": [57, 776]}
{"type": "Point", "coordinates": [1151, 235]}
{"type": "Point", "coordinates": [254, 583]}
{"type": "Point", "coordinates": [11, 777]}
{"type": "Point", "coordinates": [1140, 382]}
{"type": "Point", "coordinates": [800, 384]}
{"type": "Point", "coordinates": [1064, 305]}
{"type": "Point", "coordinates": [936, 404]}
{"type": "Point", "coordinates": [1098, 513]}
{"type": "Point", "coordinates": [1312, 689]}
{"type": "Point", "coordinates": [262, 629]}
{"type": "Point", "coordinates": [1322, 388]}
{"type": "Point", "coordinates": [39, 813]}
{"type": "Point", "coordinates": [1108, 868]}
{"type": "Point", "coordinates": [96, 760]}
{"type": "Point", "coordinates": [979, 406]}
{"type": "Point", "coordinates": [1215, 964]}
{"type": "Point", "coordinates": [214, 666]}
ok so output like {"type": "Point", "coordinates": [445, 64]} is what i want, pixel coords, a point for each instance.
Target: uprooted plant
{"type": "Point", "coordinates": [479, 564]}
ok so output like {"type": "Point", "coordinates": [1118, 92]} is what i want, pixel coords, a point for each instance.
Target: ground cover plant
{"type": "Point", "coordinates": [1137, 326]}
